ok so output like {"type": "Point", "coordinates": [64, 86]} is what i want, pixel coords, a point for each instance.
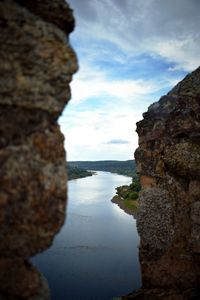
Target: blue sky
{"type": "Point", "coordinates": [130, 53]}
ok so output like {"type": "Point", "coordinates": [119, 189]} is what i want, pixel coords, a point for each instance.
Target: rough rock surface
{"type": "Point", "coordinates": [55, 12]}
{"type": "Point", "coordinates": [163, 294]}
{"type": "Point", "coordinates": [168, 162]}
{"type": "Point", "coordinates": [36, 67]}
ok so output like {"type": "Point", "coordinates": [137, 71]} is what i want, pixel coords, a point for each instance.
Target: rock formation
{"type": "Point", "coordinates": [36, 67]}
{"type": "Point", "coordinates": [168, 163]}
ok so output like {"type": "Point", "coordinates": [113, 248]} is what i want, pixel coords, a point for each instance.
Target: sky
{"type": "Point", "coordinates": [130, 52]}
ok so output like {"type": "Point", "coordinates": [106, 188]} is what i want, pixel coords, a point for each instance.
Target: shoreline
{"type": "Point", "coordinates": [129, 210]}
{"type": "Point", "coordinates": [84, 176]}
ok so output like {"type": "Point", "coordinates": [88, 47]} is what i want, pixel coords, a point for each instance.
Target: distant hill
{"type": "Point", "coordinates": [114, 166]}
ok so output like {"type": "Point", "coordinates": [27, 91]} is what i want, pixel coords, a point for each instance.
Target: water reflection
{"type": "Point", "coordinates": [95, 256]}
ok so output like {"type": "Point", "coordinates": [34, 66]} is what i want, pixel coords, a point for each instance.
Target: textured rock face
{"type": "Point", "coordinates": [168, 162]}
{"type": "Point", "coordinates": [36, 61]}
{"type": "Point", "coordinates": [36, 67]}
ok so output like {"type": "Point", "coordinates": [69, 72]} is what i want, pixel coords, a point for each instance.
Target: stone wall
{"type": "Point", "coordinates": [168, 163]}
{"type": "Point", "coordinates": [36, 67]}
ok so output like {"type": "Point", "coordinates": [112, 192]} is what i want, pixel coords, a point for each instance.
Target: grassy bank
{"type": "Point", "coordinates": [127, 197]}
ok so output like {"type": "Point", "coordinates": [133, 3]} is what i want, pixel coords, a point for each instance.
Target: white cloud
{"type": "Point", "coordinates": [165, 28]}
{"type": "Point", "coordinates": [91, 82]}
{"type": "Point", "coordinates": [123, 89]}
{"type": "Point", "coordinates": [117, 142]}
{"type": "Point", "coordinates": [87, 133]}
{"type": "Point", "coordinates": [184, 52]}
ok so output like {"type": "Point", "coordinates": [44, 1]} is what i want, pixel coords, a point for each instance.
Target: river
{"type": "Point", "coordinates": [95, 255]}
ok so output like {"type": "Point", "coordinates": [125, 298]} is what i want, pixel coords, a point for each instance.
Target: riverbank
{"type": "Point", "coordinates": [127, 197]}
{"type": "Point", "coordinates": [128, 206]}
{"type": "Point", "coordinates": [76, 173]}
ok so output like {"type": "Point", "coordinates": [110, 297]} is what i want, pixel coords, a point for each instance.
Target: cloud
{"type": "Point", "coordinates": [93, 82]}
{"type": "Point", "coordinates": [184, 52]}
{"type": "Point", "coordinates": [143, 26]}
{"type": "Point", "coordinates": [84, 88]}
{"type": "Point", "coordinates": [88, 133]}
{"type": "Point", "coordinates": [117, 141]}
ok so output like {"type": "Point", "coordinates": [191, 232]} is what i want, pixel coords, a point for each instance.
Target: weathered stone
{"type": "Point", "coordinates": [195, 228]}
{"type": "Point", "coordinates": [56, 12]}
{"type": "Point", "coordinates": [155, 219]}
{"type": "Point", "coordinates": [147, 181]}
{"type": "Point", "coordinates": [194, 189]}
{"type": "Point", "coordinates": [169, 212]}
{"type": "Point", "coordinates": [28, 176]}
{"type": "Point", "coordinates": [195, 212]}
{"type": "Point", "coordinates": [36, 67]}
{"type": "Point", "coordinates": [36, 62]}
{"type": "Point", "coordinates": [190, 86]}
{"type": "Point", "coordinates": [20, 280]}
{"type": "Point", "coordinates": [183, 159]}
{"type": "Point", "coordinates": [25, 273]}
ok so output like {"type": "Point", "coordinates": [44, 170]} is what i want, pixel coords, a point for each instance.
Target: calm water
{"type": "Point", "coordinates": [95, 255]}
